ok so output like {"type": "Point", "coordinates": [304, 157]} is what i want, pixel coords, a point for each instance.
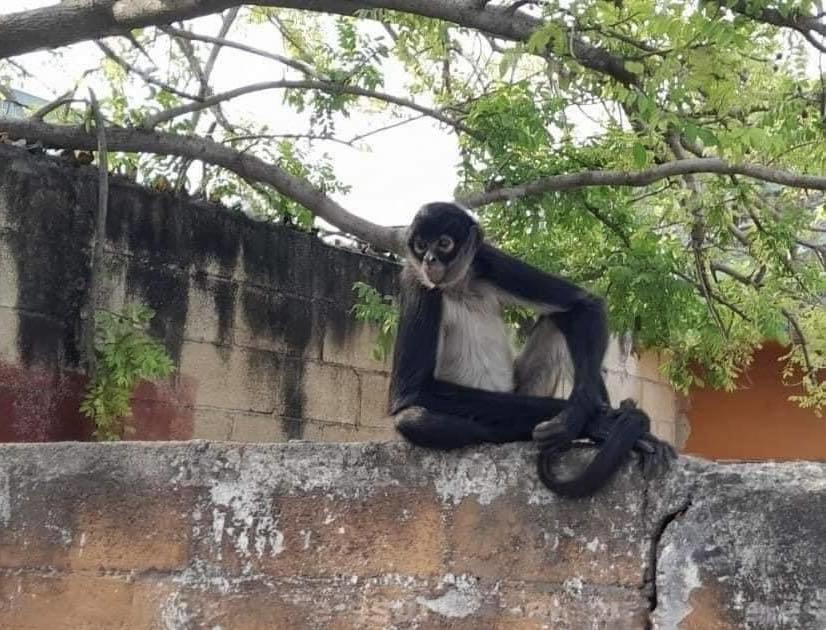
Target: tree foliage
{"type": "Point", "coordinates": [705, 266]}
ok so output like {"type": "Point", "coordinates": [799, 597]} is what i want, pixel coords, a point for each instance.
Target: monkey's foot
{"type": "Point", "coordinates": [655, 455]}
{"type": "Point", "coordinates": [552, 436]}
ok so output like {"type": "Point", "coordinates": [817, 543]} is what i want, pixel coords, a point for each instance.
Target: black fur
{"type": "Point", "coordinates": [441, 415]}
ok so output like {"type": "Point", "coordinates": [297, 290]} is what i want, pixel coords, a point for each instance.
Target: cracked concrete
{"type": "Point", "coordinates": [309, 535]}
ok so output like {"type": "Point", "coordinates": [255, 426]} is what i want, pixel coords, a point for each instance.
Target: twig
{"type": "Point", "coordinates": [325, 86]}
{"type": "Point", "coordinates": [48, 108]}
{"type": "Point", "coordinates": [143, 74]}
{"type": "Point", "coordinates": [292, 63]}
{"type": "Point", "coordinates": [801, 339]}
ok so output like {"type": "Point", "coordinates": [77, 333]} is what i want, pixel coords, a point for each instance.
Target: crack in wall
{"type": "Point", "coordinates": [649, 586]}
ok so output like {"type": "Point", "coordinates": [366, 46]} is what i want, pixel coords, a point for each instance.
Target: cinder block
{"type": "Point", "coordinates": [267, 320]}
{"type": "Point", "coordinates": [507, 538]}
{"type": "Point", "coordinates": [318, 431]}
{"type": "Point", "coordinates": [8, 335]}
{"type": "Point", "coordinates": [242, 379]}
{"type": "Point", "coordinates": [83, 601]}
{"type": "Point", "coordinates": [211, 308]}
{"type": "Point", "coordinates": [213, 424]}
{"type": "Point", "coordinates": [660, 402]}
{"type": "Point", "coordinates": [93, 527]}
{"type": "Point", "coordinates": [331, 393]}
{"type": "Point", "coordinates": [8, 272]}
{"type": "Point", "coordinates": [374, 399]}
{"type": "Point", "coordinates": [249, 427]}
{"type": "Point", "coordinates": [325, 536]}
{"type": "Point", "coordinates": [350, 342]}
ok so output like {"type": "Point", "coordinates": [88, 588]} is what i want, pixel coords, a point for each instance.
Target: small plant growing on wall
{"type": "Point", "coordinates": [374, 308]}
{"type": "Point", "coordinates": [125, 354]}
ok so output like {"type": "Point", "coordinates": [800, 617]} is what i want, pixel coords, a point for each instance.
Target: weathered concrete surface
{"type": "Point", "coordinates": [301, 535]}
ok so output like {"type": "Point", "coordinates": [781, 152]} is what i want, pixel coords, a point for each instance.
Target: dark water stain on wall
{"type": "Point", "coordinates": [52, 223]}
{"type": "Point", "coordinates": [337, 271]}
{"type": "Point", "coordinates": [166, 291]}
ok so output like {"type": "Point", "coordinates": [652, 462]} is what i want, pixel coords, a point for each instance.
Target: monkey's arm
{"type": "Point", "coordinates": [579, 315]}
{"type": "Point", "coordinates": [417, 338]}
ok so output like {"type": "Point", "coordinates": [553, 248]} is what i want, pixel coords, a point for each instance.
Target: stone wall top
{"type": "Point", "coordinates": [366, 535]}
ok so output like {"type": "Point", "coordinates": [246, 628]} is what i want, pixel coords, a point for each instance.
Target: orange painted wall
{"type": "Point", "coordinates": [756, 421]}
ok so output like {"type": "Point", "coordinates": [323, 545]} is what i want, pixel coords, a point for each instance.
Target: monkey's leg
{"type": "Point", "coordinates": [436, 430]}
{"type": "Point", "coordinates": [544, 368]}
{"type": "Point", "coordinates": [444, 431]}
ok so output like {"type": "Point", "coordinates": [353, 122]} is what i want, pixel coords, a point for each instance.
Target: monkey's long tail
{"type": "Point", "coordinates": [628, 427]}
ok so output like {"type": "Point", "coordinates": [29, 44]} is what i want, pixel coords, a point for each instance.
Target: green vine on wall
{"type": "Point", "coordinates": [126, 353]}
{"type": "Point", "coordinates": [381, 310]}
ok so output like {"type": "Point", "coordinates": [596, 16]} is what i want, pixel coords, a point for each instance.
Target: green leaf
{"type": "Point", "coordinates": [640, 155]}
{"type": "Point", "coordinates": [635, 66]}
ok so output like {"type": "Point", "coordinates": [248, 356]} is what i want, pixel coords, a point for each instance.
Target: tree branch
{"type": "Point", "coordinates": [77, 20]}
{"type": "Point", "coordinates": [146, 76]}
{"type": "Point", "coordinates": [801, 339]}
{"type": "Point", "coordinates": [796, 20]}
{"type": "Point", "coordinates": [676, 168]}
{"type": "Point", "coordinates": [140, 140]}
{"type": "Point", "coordinates": [302, 67]}
{"type": "Point", "coordinates": [243, 164]}
{"type": "Point", "coordinates": [324, 86]}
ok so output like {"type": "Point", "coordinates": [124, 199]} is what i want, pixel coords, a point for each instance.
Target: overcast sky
{"type": "Point", "coordinates": [403, 168]}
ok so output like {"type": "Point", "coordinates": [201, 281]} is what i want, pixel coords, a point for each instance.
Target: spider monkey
{"type": "Point", "coordinates": [455, 380]}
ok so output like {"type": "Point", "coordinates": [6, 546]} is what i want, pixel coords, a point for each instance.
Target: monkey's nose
{"type": "Point", "coordinates": [429, 258]}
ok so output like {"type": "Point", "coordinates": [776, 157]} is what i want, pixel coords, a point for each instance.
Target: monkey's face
{"type": "Point", "coordinates": [442, 241]}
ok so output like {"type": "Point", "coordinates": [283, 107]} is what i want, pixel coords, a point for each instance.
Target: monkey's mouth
{"type": "Point", "coordinates": [434, 272]}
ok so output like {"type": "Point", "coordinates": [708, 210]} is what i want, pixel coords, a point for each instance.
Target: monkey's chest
{"type": "Point", "coordinates": [474, 349]}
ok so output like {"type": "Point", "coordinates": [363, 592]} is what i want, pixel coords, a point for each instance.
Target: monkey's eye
{"type": "Point", "coordinates": [445, 244]}
{"type": "Point", "coordinates": [419, 245]}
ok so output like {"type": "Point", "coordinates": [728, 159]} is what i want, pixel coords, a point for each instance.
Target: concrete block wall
{"type": "Point", "coordinates": [256, 316]}
{"type": "Point", "coordinates": [376, 536]}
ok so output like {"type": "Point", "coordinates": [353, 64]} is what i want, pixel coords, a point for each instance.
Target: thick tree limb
{"type": "Point", "coordinates": [796, 20]}
{"type": "Point", "coordinates": [140, 140]}
{"type": "Point", "coordinates": [78, 20]}
{"type": "Point", "coordinates": [717, 166]}
{"type": "Point", "coordinates": [244, 165]}
{"type": "Point", "coordinates": [324, 86]}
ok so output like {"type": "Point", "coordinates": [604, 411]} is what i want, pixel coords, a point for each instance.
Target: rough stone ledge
{"type": "Point", "coordinates": [367, 535]}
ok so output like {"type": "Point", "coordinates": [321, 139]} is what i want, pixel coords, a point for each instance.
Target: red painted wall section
{"type": "Point", "coordinates": [163, 411]}
{"type": "Point", "coordinates": [756, 421]}
{"type": "Point", "coordinates": [40, 405]}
